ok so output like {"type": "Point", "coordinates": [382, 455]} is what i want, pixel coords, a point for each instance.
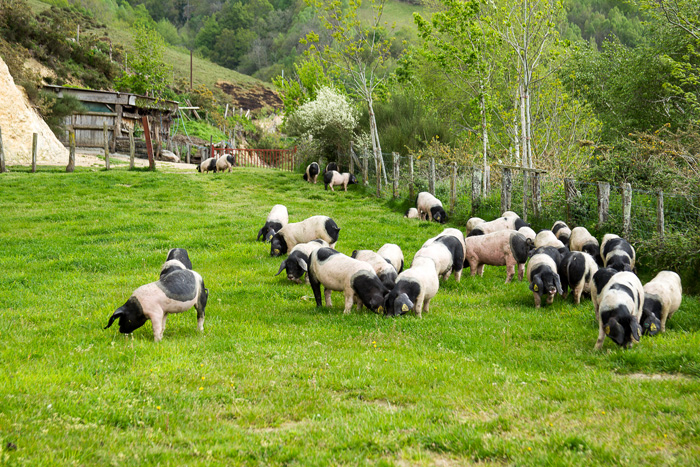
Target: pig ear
{"type": "Point", "coordinates": [536, 284]}
{"type": "Point", "coordinates": [260, 233]}
{"type": "Point", "coordinates": [354, 254]}
{"type": "Point", "coordinates": [635, 330]}
{"type": "Point", "coordinates": [282, 266]}
{"type": "Point", "coordinates": [303, 265]}
{"type": "Point", "coordinates": [557, 282]}
{"type": "Point", "coordinates": [120, 311]}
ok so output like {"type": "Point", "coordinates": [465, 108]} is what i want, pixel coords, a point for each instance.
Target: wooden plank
{"type": "Point", "coordinates": [105, 135]}
{"type": "Point", "coordinates": [626, 209]}
{"type": "Point", "coordinates": [132, 148]}
{"type": "Point", "coordinates": [603, 195]}
{"type": "Point", "coordinates": [149, 146]}
{"type": "Point", "coordinates": [116, 131]}
{"type": "Point", "coordinates": [35, 149]}
{"type": "Point", "coordinates": [71, 151]}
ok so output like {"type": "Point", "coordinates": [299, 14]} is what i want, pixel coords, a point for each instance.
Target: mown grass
{"type": "Point", "coordinates": [483, 377]}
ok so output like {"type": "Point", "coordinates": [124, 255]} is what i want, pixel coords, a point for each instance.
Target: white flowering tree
{"type": "Point", "coordinates": [330, 119]}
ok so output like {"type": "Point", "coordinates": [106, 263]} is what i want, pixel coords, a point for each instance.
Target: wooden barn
{"type": "Point", "coordinates": [122, 112]}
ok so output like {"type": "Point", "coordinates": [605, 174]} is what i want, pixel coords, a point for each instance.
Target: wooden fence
{"type": "Point", "coordinates": [282, 159]}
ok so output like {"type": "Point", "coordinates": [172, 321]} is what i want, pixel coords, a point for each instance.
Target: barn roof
{"type": "Point", "coordinates": [114, 97]}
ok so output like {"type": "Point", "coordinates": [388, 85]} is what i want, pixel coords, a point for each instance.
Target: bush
{"type": "Point", "coordinates": [677, 251]}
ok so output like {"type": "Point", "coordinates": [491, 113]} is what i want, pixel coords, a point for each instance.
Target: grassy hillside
{"type": "Point", "coordinates": [483, 377]}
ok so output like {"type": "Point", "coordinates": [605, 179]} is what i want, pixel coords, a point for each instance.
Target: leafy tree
{"type": "Point", "coordinates": [147, 71]}
{"type": "Point", "coordinates": [358, 53]}
{"type": "Point", "coordinates": [303, 86]}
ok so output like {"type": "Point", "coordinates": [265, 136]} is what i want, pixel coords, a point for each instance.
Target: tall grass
{"type": "Point", "coordinates": [483, 377]}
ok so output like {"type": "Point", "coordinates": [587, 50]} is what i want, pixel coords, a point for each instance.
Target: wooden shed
{"type": "Point", "coordinates": [122, 112]}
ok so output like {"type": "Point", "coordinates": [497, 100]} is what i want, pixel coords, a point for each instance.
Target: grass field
{"type": "Point", "coordinates": [483, 377]}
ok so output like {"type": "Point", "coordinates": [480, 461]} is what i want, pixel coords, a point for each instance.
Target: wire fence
{"type": "Point", "coordinates": [458, 186]}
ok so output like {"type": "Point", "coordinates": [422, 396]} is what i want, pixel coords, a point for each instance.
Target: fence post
{"type": "Point", "coordinates": [395, 157]}
{"type": "Point", "coordinates": [487, 180]}
{"type": "Point", "coordinates": [603, 202]}
{"type": "Point", "coordinates": [187, 146]}
{"type": "Point", "coordinates": [351, 165]}
{"type": "Point", "coordinates": [506, 189]}
{"type": "Point", "coordinates": [476, 189]}
{"type": "Point", "coordinates": [526, 185]}
{"type": "Point", "coordinates": [71, 151]}
{"type": "Point", "coordinates": [626, 209]}
{"type": "Point", "coordinates": [536, 195]}
{"type": "Point", "coordinates": [35, 148]}
{"type": "Point", "coordinates": [211, 146]}
{"type": "Point", "coordinates": [660, 213]}
{"type": "Point", "coordinates": [453, 189]}
{"type": "Point", "coordinates": [365, 168]}
{"type": "Point", "coordinates": [132, 148]}
{"type": "Point", "coordinates": [431, 181]}
{"type": "Point", "coordinates": [105, 136]}
{"type": "Point", "coordinates": [411, 186]}
{"type": "Point", "coordinates": [569, 193]}
{"type": "Point", "coordinates": [2, 156]}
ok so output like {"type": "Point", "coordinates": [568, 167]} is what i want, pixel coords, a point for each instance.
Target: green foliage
{"type": "Point", "coordinates": [54, 110]}
{"type": "Point", "coordinates": [597, 21]}
{"type": "Point", "coordinates": [675, 251]}
{"type": "Point", "coordinates": [309, 77]}
{"type": "Point", "coordinates": [147, 74]}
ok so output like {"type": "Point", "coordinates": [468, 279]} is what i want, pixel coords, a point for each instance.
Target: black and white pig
{"type": "Point", "coordinates": [618, 305]}
{"type": "Point", "coordinates": [181, 255]}
{"type": "Point", "coordinates": [582, 240]}
{"type": "Point", "coordinates": [547, 238]}
{"type": "Point", "coordinates": [662, 298]}
{"type": "Point", "coordinates": [393, 254]}
{"type": "Point", "coordinates": [502, 223]}
{"type": "Point", "coordinates": [562, 232]}
{"type": "Point", "coordinates": [617, 253]}
{"type": "Point", "coordinates": [225, 163]}
{"type": "Point", "coordinates": [311, 173]}
{"type": "Point", "coordinates": [331, 166]}
{"type": "Point", "coordinates": [448, 255]}
{"type": "Point", "coordinates": [576, 270]}
{"type": "Point", "coordinates": [502, 248]}
{"type": "Point", "coordinates": [471, 223]}
{"type": "Point", "coordinates": [414, 289]}
{"type": "Point", "coordinates": [543, 277]}
{"type": "Point", "coordinates": [310, 229]}
{"type": "Point", "coordinates": [430, 208]}
{"type": "Point", "coordinates": [208, 165]}
{"type": "Point", "coordinates": [333, 178]}
{"type": "Point", "coordinates": [297, 263]}
{"type": "Point", "coordinates": [356, 279]}
{"type": "Point", "coordinates": [412, 213]}
{"type": "Point", "coordinates": [175, 292]}
{"type": "Point", "coordinates": [384, 269]}
{"type": "Point", "coordinates": [278, 218]}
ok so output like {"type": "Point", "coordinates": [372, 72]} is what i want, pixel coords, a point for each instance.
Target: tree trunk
{"type": "Point", "coordinates": [484, 138]}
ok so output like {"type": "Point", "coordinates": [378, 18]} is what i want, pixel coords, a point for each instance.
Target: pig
{"type": "Point", "coordinates": [543, 278]}
{"type": "Point", "coordinates": [414, 289]}
{"type": "Point", "coordinates": [582, 240]}
{"type": "Point", "coordinates": [333, 178]}
{"type": "Point", "coordinates": [617, 253]}
{"type": "Point", "coordinates": [356, 279]}
{"type": "Point", "coordinates": [297, 262]}
{"type": "Point", "coordinates": [208, 165]}
{"type": "Point", "coordinates": [224, 163]}
{"type": "Point", "coordinates": [278, 218]}
{"type": "Point", "coordinates": [430, 208]}
{"type": "Point", "coordinates": [393, 254]}
{"type": "Point", "coordinates": [502, 248]}
{"type": "Point", "coordinates": [384, 269]}
{"type": "Point", "coordinates": [449, 232]}
{"type": "Point", "coordinates": [331, 166]}
{"type": "Point", "coordinates": [314, 227]}
{"type": "Point", "coordinates": [181, 255]}
{"type": "Point", "coordinates": [619, 306]}
{"type": "Point", "coordinates": [529, 234]}
{"type": "Point", "coordinates": [510, 214]}
{"type": "Point", "coordinates": [174, 292]}
{"type": "Point", "coordinates": [662, 298]}
{"type": "Point", "coordinates": [412, 213]}
{"type": "Point", "coordinates": [562, 232]}
{"type": "Point", "coordinates": [473, 222]}
{"type": "Point", "coordinates": [311, 173]}
{"type": "Point", "coordinates": [576, 270]}
{"type": "Point", "coordinates": [502, 223]}
{"type": "Point", "coordinates": [547, 238]}
{"type": "Point", "coordinates": [448, 255]}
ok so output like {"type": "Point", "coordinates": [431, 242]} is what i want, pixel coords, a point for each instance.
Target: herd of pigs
{"type": "Point", "coordinates": [557, 260]}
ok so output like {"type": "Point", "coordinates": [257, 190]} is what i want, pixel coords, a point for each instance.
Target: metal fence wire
{"type": "Point", "coordinates": [680, 213]}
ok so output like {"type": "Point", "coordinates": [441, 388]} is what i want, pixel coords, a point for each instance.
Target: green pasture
{"type": "Point", "coordinates": [272, 380]}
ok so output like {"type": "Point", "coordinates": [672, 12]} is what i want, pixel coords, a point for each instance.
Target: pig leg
{"type": "Point", "coordinates": [521, 271]}
{"type": "Point", "coordinates": [578, 290]}
{"type": "Point", "coordinates": [349, 300]}
{"type": "Point", "coordinates": [480, 270]}
{"type": "Point", "coordinates": [327, 295]}
{"type": "Point", "coordinates": [472, 267]}
{"type": "Point", "coordinates": [538, 299]}
{"type": "Point", "coordinates": [601, 336]}
{"type": "Point", "coordinates": [158, 320]}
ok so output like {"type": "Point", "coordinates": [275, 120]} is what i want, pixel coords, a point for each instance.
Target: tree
{"type": "Point", "coordinates": [358, 53]}
{"type": "Point", "coordinates": [330, 119]}
{"type": "Point", "coordinates": [147, 72]}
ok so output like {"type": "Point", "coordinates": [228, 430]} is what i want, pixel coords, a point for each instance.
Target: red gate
{"type": "Point", "coordinates": [282, 159]}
